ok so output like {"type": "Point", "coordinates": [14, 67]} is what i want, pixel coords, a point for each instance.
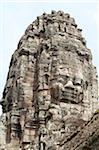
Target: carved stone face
{"type": "Point", "coordinates": [51, 86]}
{"type": "Point", "coordinates": [71, 92]}
{"type": "Point", "coordinates": [64, 78]}
{"type": "Point", "coordinates": [70, 81]}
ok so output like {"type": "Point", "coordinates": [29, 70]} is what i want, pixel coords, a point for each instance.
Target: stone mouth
{"type": "Point", "coordinates": [70, 95]}
{"type": "Point", "coordinates": [69, 100]}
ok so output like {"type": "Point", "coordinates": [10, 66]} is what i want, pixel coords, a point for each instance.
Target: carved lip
{"type": "Point", "coordinates": [70, 95]}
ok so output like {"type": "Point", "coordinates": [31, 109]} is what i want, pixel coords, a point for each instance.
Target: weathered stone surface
{"type": "Point", "coordinates": [84, 138]}
{"type": "Point", "coordinates": [51, 90]}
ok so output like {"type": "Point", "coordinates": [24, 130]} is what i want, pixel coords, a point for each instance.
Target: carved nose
{"type": "Point", "coordinates": [69, 84]}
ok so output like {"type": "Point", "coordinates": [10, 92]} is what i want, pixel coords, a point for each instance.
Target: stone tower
{"type": "Point", "coordinates": [51, 87]}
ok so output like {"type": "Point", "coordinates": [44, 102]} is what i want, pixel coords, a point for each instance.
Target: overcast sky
{"type": "Point", "coordinates": [15, 16]}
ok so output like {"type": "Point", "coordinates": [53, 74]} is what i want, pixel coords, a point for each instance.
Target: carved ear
{"type": "Point", "coordinates": [46, 78]}
{"type": "Point", "coordinates": [85, 85]}
{"type": "Point", "coordinates": [80, 97]}
{"type": "Point", "coordinates": [55, 92]}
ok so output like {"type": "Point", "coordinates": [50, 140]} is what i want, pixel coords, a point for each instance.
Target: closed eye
{"type": "Point", "coordinates": [77, 84]}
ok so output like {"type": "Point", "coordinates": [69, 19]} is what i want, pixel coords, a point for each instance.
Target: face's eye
{"type": "Point", "coordinates": [66, 79]}
{"type": "Point", "coordinates": [63, 78]}
{"type": "Point", "coordinates": [77, 81]}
